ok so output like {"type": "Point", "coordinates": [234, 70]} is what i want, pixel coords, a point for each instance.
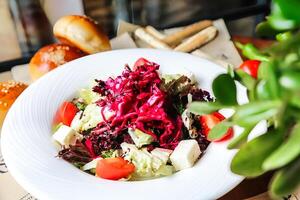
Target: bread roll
{"type": "Point", "coordinates": [50, 57]}
{"type": "Point", "coordinates": [81, 32]}
{"type": "Point", "coordinates": [9, 91]}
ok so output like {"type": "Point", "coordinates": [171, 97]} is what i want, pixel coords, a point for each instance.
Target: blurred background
{"type": "Point", "coordinates": [26, 25]}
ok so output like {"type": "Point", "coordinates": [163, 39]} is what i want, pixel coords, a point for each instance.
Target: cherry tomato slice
{"type": "Point", "coordinates": [114, 168]}
{"type": "Point", "coordinates": [140, 62]}
{"type": "Point", "coordinates": [250, 67]}
{"type": "Point", "coordinates": [209, 121]}
{"type": "Point", "coordinates": [65, 113]}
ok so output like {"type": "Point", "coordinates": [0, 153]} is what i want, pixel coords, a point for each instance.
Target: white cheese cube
{"type": "Point", "coordinates": [91, 165]}
{"type": "Point", "coordinates": [76, 123]}
{"type": "Point", "coordinates": [185, 154]}
{"type": "Point", "coordinates": [162, 154]}
{"type": "Point", "coordinates": [66, 136]}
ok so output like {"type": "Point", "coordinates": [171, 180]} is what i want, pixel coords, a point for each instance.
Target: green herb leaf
{"type": "Point", "coordinates": [249, 159]}
{"type": "Point", "coordinates": [267, 73]}
{"type": "Point", "coordinates": [251, 52]}
{"type": "Point", "coordinates": [80, 105]}
{"type": "Point", "coordinates": [201, 108]}
{"type": "Point", "coordinates": [225, 89]}
{"type": "Point", "coordinates": [265, 29]}
{"type": "Point", "coordinates": [281, 24]}
{"type": "Point", "coordinates": [281, 49]}
{"type": "Point", "coordinates": [107, 153]}
{"type": "Point", "coordinates": [290, 80]}
{"type": "Point", "coordinates": [262, 72]}
{"type": "Point", "coordinates": [250, 114]}
{"type": "Point", "coordinates": [262, 91]}
{"type": "Point", "coordinates": [283, 36]}
{"type": "Point", "coordinates": [272, 80]}
{"type": "Point", "coordinates": [286, 153]}
{"type": "Point", "coordinates": [219, 130]}
{"type": "Point", "coordinates": [230, 71]}
{"type": "Point", "coordinates": [241, 139]}
{"type": "Point", "coordinates": [295, 99]}
{"type": "Point", "coordinates": [289, 9]}
{"type": "Point", "coordinates": [247, 80]}
{"type": "Point", "coordinates": [286, 180]}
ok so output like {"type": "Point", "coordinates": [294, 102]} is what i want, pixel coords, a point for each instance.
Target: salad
{"type": "Point", "coordinates": [135, 126]}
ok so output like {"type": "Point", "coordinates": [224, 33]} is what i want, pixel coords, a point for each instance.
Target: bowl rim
{"type": "Point", "coordinates": [19, 177]}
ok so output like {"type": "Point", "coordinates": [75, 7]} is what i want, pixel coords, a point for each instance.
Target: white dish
{"type": "Point", "coordinates": [30, 154]}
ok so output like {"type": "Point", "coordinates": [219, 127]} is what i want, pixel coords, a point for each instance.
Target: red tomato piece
{"type": "Point", "coordinates": [114, 168]}
{"type": "Point", "coordinates": [250, 67]}
{"type": "Point", "coordinates": [209, 121]}
{"type": "Point", "coordinates": [140, 62]}
{"type": "Point", "coordinates": [65, 113]}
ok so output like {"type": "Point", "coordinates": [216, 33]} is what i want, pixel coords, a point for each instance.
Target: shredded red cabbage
{"type": "Point", "coordinates": [138, 102]}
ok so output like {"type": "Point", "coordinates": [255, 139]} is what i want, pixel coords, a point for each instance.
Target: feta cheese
{"type": "Point", "coordinates": [77, 122]}
{"type": "Point", "coordinates": [91, 165]}
{"type": "Point", "coordinates": [162, 154]}
{"type": "Point", "coordinates": [185, 154]}
{"type": "Point", "coordinates": [66, 136]}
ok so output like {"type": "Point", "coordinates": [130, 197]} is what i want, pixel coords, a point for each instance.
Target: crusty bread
{"type": "Point", "coordinates": [50, 57]}
{"type": "Point", "coordinates": [175, 38]}
{"type": "Point", "coordinates": [81, 32]}
{"type": "Point", "coordinates": [198, 39]}
{"type": "Point", "coordinates": [149, 39]}
{"type": "Point", "coordinates": [9, 91]}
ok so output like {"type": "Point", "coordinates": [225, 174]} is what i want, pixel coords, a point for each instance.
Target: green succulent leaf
{"type": "Point", "coordinates": [265, 29]}
{"type": "Point", "coordinates": [281, 24]}
{"type": "Point", "coordinates": [278, 18]}
{"type": "Point", "coordinates": [267, 71]}
{"type": "Point", "coordinates": [286, 180]}
{"type": "Point", "coordinates": [290, 79]}
{"type": "Point", "coordinates": [247, 80]}
{"type": "Point", "coordinates": [251, 52]}
{"type": "Point", "coordinates": [224, 89]}
{"type": "Point", "coordinates": [201, 108]}
{"type": "Point", "coordinates": [230, 71]}
{"type": "Point", "coordinates": [219, 130]}
{"type": "Point", "coordinates": [262, 72]}
{"type": "Point", "coordinates": [295, 99]}
{"type": "Point", "coordinates": [250, 158]}
{"type": "Point", "coordinates": [284, 36]}
{"type": "Point", "coordinates": [286, 153]}
{"type": "Point", "coordinates": [289, 9]}
{"type": "Point", "coordinates": [262, 91]}
{"type": "Point", "coordinates": [240, 139]}
{"type": "Point", "coordinates": [250, 114]}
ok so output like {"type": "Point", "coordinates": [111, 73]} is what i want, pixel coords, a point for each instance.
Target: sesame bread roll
{"type": "Point", "coordinates": [9, 91]}
{"type": "Point", "coordinates": [50, 57]}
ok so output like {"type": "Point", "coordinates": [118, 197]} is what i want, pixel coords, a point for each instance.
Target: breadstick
{"type": "Point", "coordinates": [149, 39]}
{"type": "Point", "coordinates": [176, 38]}
{"type": "Point", "coordinates": [198, 39]}
{"type": "Point", "coordinates": [155, 33]}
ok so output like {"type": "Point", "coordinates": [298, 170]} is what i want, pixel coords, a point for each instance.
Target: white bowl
{"type": "Point", "coordinates": [31, 156]}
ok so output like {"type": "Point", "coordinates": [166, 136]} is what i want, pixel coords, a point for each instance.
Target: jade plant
{"type": "Point", "coordinates": [273, 89]}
